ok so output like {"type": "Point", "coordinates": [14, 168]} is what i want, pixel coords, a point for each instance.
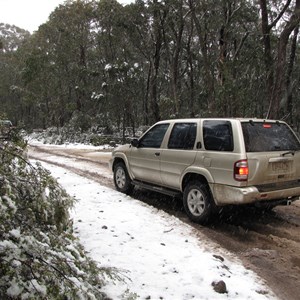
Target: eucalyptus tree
{"type": "Point", "coordinates": [228, 55]}
{"type": "Point", "coordinates": [56, 70]}
{"type": "Point", "coordinates": [290, 81]}
{"type": "Point", "coordinates": [278, 22]}
{"type": "Point", "coordinates": [117, 89]}
{"type": "Point", "coordinates": [100, 62]}
{"type": "Point", "coordinates": [202, 56]}
{"type": "Point", "coordinates": [69, 38]}
{"type": "Point", "coordinates": [137, 28]}
{"type": "Point", "coordinates": [292, 105]}
{"type": "Point", "coordinates": [12, 38]}
{"type": "Point", "coordinates": [174, 42]}
{"type": "Point", "coordinates": [238, 56]}
{"type": "Point", "coordinates": [144, 29]}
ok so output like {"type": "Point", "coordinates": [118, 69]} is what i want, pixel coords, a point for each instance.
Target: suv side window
{"type": "Point", "coordinates": [183, 136]}
{"type": "Point", "coordinates": [154, 137]}
{"type": "Point", "coordinates": [217, 135]}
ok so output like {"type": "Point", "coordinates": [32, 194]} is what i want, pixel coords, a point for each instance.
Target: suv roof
{"type": "Point", "coordinates": [238, 119]}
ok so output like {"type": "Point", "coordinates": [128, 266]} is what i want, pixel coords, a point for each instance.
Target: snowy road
{"type": "Point", "coordinates": [159, 256]}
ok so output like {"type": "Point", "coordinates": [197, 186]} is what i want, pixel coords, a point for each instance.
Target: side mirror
{"type": "Point", "coordinates": [134, 143]}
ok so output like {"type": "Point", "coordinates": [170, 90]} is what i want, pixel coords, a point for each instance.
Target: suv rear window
{"type": "Point", "coordinates": [266, 137]}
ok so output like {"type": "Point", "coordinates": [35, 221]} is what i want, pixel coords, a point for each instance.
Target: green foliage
{"type": "Point", "coordinates": [80, 121]}
{"type": "Point", "coordinates": [97, 140]}
{"type": "Point", "coordinates": [39, 256]}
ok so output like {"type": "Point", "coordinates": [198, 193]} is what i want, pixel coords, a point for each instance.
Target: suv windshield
{"type": "Point", "coordinates": [266, 137]}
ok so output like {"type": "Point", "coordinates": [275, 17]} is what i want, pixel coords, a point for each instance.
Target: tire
{"type": "Point", "coordinates": [198, 202]}
{"type": "Point", "coordinates": [121, 179]}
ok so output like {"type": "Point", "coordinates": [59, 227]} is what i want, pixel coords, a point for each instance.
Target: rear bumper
{"type": "Point", "coordinates": [225, 195]}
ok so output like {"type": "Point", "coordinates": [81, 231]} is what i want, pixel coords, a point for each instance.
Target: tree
{"type": "Point", "coordinates": [39, 256]}
{"type": "Point", "coordinates": [120, 66]}
{"type": "Point", "coordinates": [276, 68]}
{"type": "Point", "coordinates": [12, 39]}
{"type": "Point", "coordinates": [289, 109]}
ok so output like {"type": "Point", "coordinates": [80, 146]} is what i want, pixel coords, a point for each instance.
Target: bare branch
{"type": "Point", "coordinates": [288, 2]}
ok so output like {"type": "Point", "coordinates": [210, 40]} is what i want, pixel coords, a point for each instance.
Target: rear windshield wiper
{"type": "Point", "coordinates": [288, 152]}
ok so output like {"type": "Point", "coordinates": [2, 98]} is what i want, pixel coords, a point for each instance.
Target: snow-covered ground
{"type": "Point", "coordinates": [34, 142]}
{"type": "Point", "coordinates": [158, 256]}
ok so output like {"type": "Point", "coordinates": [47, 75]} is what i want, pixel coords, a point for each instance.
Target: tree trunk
{"type": "Point", "coordinates": [207, 76]}
{"type": "Point", "coordinates": [289, 84]}
{"type": "Point", "coordinates": [280, 69]}
{"type": "Point", "coordinates": [175, 64]}
{"type": "Point", "coordinates": [146, 97]}
{"type": "Point", "coordinates": [268, 59]}
{"type": "Point", "coordinates": [155, 61]}
{"type": "Point", "coordinates": [270, 65]}
{"type": "Point", "coordinates": [190, 63]}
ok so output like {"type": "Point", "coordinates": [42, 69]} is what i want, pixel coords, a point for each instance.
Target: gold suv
{"type": "Point", "coordinates": [212, 163]}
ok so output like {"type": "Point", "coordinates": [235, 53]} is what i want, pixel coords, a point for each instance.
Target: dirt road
{"type": "Point", "coordinates": [267, 242]}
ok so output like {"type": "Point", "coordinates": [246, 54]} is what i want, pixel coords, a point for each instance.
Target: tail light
{"type": "Point", "coordinates": [241, 170]}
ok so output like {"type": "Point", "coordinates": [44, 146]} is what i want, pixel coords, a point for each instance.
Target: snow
{"type": "Point", "coordinates": [158, 256]}
{"type": "Point", "coordinates": [15, 233]}
{"type": "Point", "coordinates": [69, 146]}
{"type": "Point", "coordinates": [86, 166]}
{"type": "Point", "coordinates": [14, 290]}
{"type": "Point", "coordinates": [107, 67]}
{"type": "Point", "coordinates": [40, 288]}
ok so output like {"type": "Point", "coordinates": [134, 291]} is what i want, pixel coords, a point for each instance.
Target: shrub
{"type": "Point", "coordinates": [39, 256]}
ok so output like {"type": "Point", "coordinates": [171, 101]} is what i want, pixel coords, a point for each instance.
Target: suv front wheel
{"type": "Point", "coordinates": [121, 179]}
{"type": "Point", "coordinates": [198, 202]}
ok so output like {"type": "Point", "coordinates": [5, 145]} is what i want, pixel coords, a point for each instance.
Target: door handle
{"type": "Point", "coordinates": [157, 153]}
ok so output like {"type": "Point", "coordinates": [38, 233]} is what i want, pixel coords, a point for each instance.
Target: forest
{"type": "Point", "coordinates": [100, 67]}
{"type": "Point", "coordinates": [99, 64]}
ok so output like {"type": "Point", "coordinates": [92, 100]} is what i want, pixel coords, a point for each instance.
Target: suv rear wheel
{"type": "Point", "coordinates": [121, 179]}
{"type": "Point", "coordinates": [198, 202]}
